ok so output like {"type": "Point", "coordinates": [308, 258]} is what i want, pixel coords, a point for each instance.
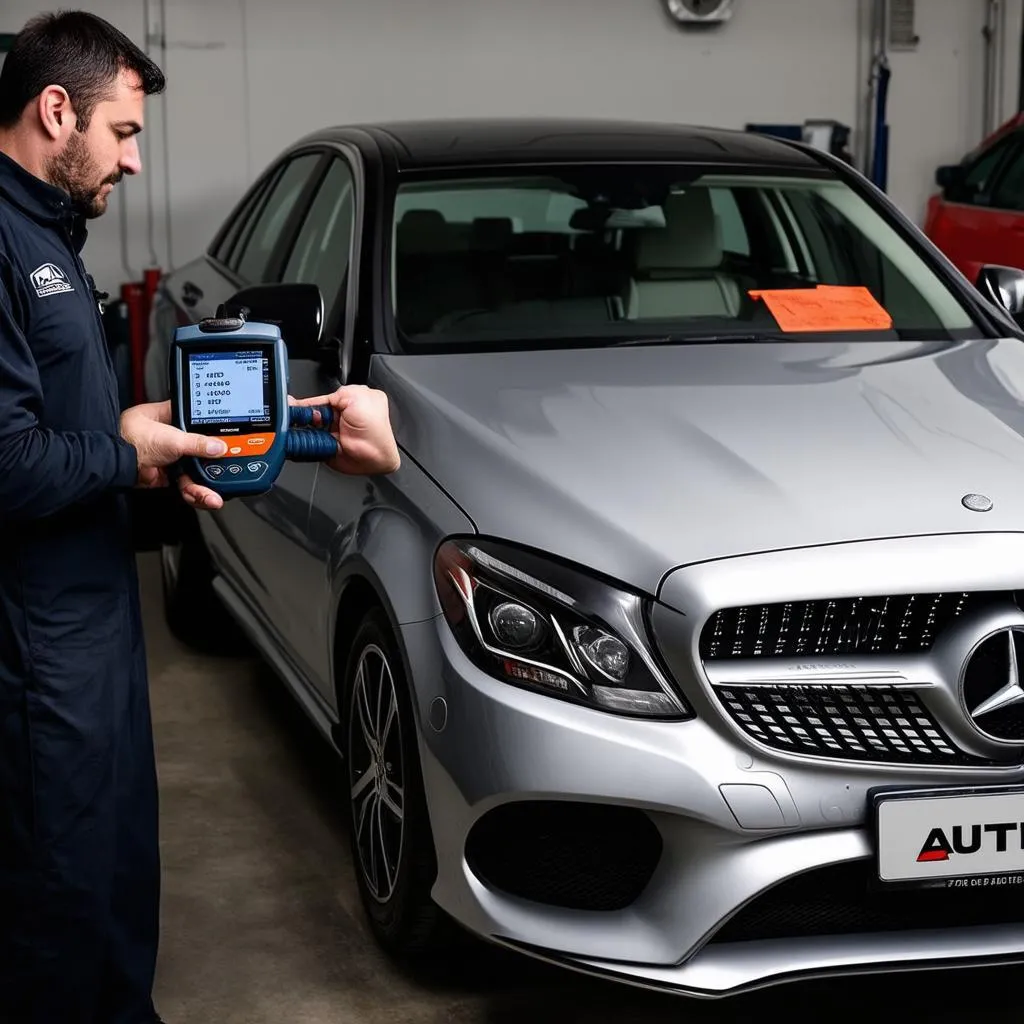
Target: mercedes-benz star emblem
{"type": "Point", "coordinates": [992, 690]}
{"type": "Point", "coordinates": [977, 502]}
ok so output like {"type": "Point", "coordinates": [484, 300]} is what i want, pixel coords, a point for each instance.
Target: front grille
{"type": "Point", "coordinates": [571, 855]}
{"type": "Point", "coordinates": [841, 900]}
{"type": "Point", "coordinates": [864, 723]}
{"type": "Point", "coordinates": [896, 624]}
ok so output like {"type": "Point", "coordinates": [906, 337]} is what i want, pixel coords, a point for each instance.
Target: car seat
{"type": "Point", "coordinates": [677, 267]}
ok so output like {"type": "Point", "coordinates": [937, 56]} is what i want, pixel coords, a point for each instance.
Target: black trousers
{"type": "Point", "coordinates": [79, 856]}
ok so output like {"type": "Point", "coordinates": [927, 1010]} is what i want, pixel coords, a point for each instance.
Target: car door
{"type": "Point", "coordinates": [288, 577]}
{"type": "Point", "coordinates": [323, 254]}
{"type": "Point", "coordinates": [964, 222]}
{"type": "Point", "coordinates": [197, 288]}
{"type": "Point", "coordinates": [254, 539]}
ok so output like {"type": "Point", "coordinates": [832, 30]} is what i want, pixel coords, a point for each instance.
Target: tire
{"type": "Point", "coordinates": [194, 613]}
{"type": "Point", "coordinates": [395, 892]}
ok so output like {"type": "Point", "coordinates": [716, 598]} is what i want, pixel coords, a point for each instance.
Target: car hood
{"type": "Point", "coordinates": [638, 460]}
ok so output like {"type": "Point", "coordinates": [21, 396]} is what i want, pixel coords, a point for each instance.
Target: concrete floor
{"type": "Point", "coordinates": [261, 921]}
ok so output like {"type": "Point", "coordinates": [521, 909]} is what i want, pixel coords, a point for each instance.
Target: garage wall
{"type": "Point", "coordinates": [248, 76]}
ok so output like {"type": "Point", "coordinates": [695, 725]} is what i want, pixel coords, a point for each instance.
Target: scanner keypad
{"type": "Point", "coordinates": [217, 469]}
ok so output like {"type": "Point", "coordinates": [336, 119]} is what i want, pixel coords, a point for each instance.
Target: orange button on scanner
{"type": "Point", "coordinates": [251, 444]}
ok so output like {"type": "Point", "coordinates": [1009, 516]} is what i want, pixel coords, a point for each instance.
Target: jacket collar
{"type": "Point", "coordinates": [43, 202]}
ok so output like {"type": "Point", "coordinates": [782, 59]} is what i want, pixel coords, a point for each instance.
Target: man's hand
{"type": "Point", "coordinates": [149, 430]}
{"type": "Point", "coordinates": [362, 428]}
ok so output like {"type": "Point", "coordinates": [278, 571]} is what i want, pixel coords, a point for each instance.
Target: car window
{"type": "Point", "coordinates": [839, 253]}
{"type": "Point", "coordinates": [229, 235]}
{"type": "Point", "coordinates": [272, 219]}
{"type": "Point", "coordinates": [588, 252]}
{"type": "Point", "coordinates": [321, 251]}
{"type": "Point", "coordinates": [734, 231]}
{"type": "Point", "coordinates": [1008, 188]}
{"type": "Point", "coordinates": [229, 238]}
{"type": "Point", "coordinates": [977, 183]}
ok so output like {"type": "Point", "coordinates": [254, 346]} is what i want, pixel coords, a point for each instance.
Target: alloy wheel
{"type": "Point", "coordinates": [376, 773]}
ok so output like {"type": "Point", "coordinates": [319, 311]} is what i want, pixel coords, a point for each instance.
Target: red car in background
{"type": "Point", "coordinates": [978, 217]}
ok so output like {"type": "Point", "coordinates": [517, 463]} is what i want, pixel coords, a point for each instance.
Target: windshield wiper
{"type": "Point", "coordinates": [696, 339]}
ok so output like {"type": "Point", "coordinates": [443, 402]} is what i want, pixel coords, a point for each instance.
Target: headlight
{"type": "Point", "coordinates": [537, 624]}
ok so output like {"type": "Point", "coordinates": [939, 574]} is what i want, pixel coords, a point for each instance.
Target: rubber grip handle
{"type": "Point", "coordinates": [302, 416]}
{"type": "Point", "coordinates": [310, 446]}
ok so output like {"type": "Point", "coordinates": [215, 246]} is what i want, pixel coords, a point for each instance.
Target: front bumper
{"type": "Point", "coordinates": [734, 820]}
{"type": "Point", "coordinates": [732, 969]}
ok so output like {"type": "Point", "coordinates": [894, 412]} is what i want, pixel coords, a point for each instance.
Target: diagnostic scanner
{"type": "Point", "coordinates": [229, 380]}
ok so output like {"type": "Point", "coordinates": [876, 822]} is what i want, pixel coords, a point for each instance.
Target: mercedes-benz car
{"type": "Point", "coordinates": [684, 648]}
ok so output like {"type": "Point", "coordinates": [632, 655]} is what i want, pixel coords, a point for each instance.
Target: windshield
{"type": "Point", "coordinates": [620, 252]}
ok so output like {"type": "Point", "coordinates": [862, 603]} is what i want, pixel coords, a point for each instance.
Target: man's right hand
{"type": "Point", "coordinates": [159, 444]}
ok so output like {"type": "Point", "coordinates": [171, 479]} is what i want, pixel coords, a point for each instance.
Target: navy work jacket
{"type": "Point", "coordinates": [68, 589]}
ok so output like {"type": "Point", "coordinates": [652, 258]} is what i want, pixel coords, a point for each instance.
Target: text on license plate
{"type": "Point", "coordinates": [940, 837]}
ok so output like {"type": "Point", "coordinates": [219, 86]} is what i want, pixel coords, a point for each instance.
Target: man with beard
{"type": "Point", "coordinates": [79, 866]}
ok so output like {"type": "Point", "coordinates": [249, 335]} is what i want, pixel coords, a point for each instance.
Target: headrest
{"type": "Point", "coordinates": [691, 238]}
{"type": "Point", "coordinates": [422, 231]}
{"type": "Point", "coordinates": [432, 219]}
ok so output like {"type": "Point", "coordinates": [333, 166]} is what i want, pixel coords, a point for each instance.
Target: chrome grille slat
{"type": "Point", "coordinates": [893, 624]}
{"type": "Point", "coordinates": [880, 724]}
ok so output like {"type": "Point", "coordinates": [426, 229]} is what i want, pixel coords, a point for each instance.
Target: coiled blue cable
{"type": "Point", "coordinates": [302, 416]}
{"type": "Point", "coordinates": [307, 440]}
{"type": "Point", "coordinates": [310, 446]}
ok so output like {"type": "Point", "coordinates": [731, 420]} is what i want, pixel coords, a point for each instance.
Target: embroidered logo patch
{"type": "Point", "coordinates": [49, 279]}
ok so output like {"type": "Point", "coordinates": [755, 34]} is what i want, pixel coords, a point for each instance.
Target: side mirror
{"type": "Point", "coordinates": [949, 176]}
{"type": "Point", "coordinates": [952, 179]}
{"type": "Point", "coordinates": [297, 308]}
{"type": "Point", "coordinates": [1004, 287]}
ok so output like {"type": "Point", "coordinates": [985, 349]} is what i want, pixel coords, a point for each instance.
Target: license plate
{"type": "Point", "coordinates": [959, 838]}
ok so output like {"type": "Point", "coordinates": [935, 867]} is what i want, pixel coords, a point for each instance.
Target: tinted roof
{"type": "Point", "coordinates": [453, 142]}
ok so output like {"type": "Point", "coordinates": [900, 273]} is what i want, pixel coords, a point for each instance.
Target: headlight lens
{"type": "Point", "coordinates": [535, 623]}
{"type": "Point", "coordinates": [604, 652]}
{"type": "Point", "coordinates": [515, 625]}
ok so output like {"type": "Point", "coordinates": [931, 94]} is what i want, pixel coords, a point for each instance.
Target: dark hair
{"type": "Point", "coordinates": [76, 50]}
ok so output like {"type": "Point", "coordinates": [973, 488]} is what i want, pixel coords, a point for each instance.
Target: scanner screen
{"type": "Point", "coordinates": [230, 387]}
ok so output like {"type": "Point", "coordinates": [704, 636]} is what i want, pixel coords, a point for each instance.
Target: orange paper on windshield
{"type": "Point", "coordinates": [825, 308]}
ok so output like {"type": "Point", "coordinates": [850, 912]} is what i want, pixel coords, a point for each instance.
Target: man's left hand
{"type": "Point", "coordinates": [155, 417]}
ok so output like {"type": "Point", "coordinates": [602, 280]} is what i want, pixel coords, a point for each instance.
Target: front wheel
{"type": "Point", "coordinates": [392, 844]}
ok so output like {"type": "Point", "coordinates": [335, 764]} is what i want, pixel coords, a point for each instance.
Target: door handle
{"type": "Point", "coordinates": [191, 293]}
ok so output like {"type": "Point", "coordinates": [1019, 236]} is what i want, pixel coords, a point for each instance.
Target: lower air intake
{"type": "Point", "coordinates": [571, 855]}
{"type": "Point", "coordinates": [840, 900]}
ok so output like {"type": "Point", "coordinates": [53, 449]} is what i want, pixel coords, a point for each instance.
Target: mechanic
{"type": "Point", "coordinates": [79, 865]}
